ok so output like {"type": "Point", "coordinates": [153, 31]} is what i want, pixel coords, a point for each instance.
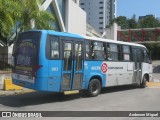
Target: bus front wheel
{"type": "Point", "coordinates": [143, 83]}
{"type": "Point", "coordinates": [94, 87]}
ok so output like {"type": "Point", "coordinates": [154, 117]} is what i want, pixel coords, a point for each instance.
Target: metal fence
{"type": "Point", "coordinates": [6, 63]}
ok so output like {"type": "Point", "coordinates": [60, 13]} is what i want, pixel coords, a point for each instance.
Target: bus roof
{"type": "Point", "coordinates": [87, 37]}
{"type": "Point", "coordinates": [113, 41]}
{"type": "Point", "coordinates": [59, 33]}
{"type": "Point", "coordinates": [64, 34]}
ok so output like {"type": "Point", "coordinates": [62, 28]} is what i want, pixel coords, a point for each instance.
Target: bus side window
{"type": "Point", "coordinates": [54, 49]}
{"type": "Point", "coordinates": [68, 56]}
{"type": "Point", "coordinates": [97, 51]}
{"type": "Point", "coordinates": [87, 49]}
{"type": "Point", "coordinates": [146, 57]}
{"type": "Point", "coordinates": [113, 52]}
{"type": "Point", "coordinates": [126, 53]}
{"type": "Point", "coordinates": [107, 52]}
{"type": "Point", "coordinates": [78, 56]}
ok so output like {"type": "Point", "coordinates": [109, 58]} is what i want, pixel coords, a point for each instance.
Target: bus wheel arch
{"type": "Point", "coordinates": [144, 81]}
{"type": "Point", "coordinates": [94, 86]}
{"type": "Point", "coordinates": [147, 77]}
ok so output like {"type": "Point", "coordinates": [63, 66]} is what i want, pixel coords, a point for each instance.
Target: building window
{"type": "Point", "coordinates": [100, 17]}
{"type": "Point", "coordinates": [100, 28]}
{"type": "Point", "coordinates": [82, 3]}
{"type": "Point", "coordinates": [101, 2]}
{"type": "Point", "coordinates": [101, 23]}
{"type": "Point", "coordinates": [100, 7]}
{"type": "Point", "coordinates": [100, 12]}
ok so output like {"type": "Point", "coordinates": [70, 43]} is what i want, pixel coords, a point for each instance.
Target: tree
{"type": "Point", "coordinates": [148, 22]}
{"type": "Point", "coordinates": [132, 24]}
{"type": "Point", "coordinates": [121, 21]}
{"type": "Point", "coordinates": [6, 17]}
{"type": "Point", "coordinates": [29, 11]}
{"type": "Point", "coordinates": [21, 13]}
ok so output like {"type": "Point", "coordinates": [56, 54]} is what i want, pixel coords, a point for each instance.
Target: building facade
{"type": "Point", "coordinates": [99, 12]}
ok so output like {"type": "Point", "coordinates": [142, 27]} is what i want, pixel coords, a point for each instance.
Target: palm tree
{"type": "Point", "coordinates": [6, 17]}
{"type": "Point", "coordinates": [30, 12]}
{"type": "Point", "coordinates": [22, 13]}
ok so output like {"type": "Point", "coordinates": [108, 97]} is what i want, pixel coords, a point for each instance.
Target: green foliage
{"type": "Point", "coordinates": [146, 22]}
{"type": "Point", "coordinates": [22, 12]}
{"type": "Point", "coordinates": [132, 24]}
{"type": "Point", "coordinates": [122, 21]}
{"type": "Point", "coordinates": [155, 50]}
{"type": "Point", "coordinates": [6, 17]}
{"type": "Point", "coordinates": [29, 11]}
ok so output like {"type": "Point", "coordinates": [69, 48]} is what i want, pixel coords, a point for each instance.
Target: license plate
{"type": "Point", "coordinates": [24, 78]}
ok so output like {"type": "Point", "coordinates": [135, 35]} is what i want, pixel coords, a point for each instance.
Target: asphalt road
{"type": "Point", "coordinates": [124, 98]}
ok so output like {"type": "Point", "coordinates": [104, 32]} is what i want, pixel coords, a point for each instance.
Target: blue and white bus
{"type": "Point", "coordinates": [46, 60]}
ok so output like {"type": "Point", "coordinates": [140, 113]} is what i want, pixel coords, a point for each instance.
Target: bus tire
{"type": "Point", "coordinates": [143, 83]}
{"type": "Point", "coordinates": [94, 88]}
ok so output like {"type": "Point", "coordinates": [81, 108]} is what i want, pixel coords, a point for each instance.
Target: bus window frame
{"type": "Point", "coordinates": [89, 55]}
{"type": "Point", "coordinates": [148, 55]}
{"type": "Point", "coordinates": [73, 40]}
{"type": "Point", "coordinates": [130, 53]}
{"type": "Point", "coordinates": [48, 47]}
{"type": "Point", "coordinates": [108, 46]}
{"type": "Point", "coordinates": [97, 50]}
{"type": "Point", "coordinates": [16, 44]}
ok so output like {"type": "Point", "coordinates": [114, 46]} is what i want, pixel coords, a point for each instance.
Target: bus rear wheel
{"type": "Point", "coordinates": [94, 87]}
{"type": "Point", "coordinates": [144, 82]}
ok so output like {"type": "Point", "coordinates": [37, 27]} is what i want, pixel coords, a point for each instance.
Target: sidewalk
{"type": "Point", "coordinates": [15, 92]}
{"type": "Point", "coordinates": [155, 81]}
{"type": "Point", "coordinates": [153, 84]}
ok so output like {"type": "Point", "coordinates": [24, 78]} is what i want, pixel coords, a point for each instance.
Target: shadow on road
{"type": "Point", "coordinates": [118, 89]}
{"type": "Point", "coordinates": [156, 69]}
{"type": "Point", "coordinates": [37, 98]}
{"type": "Point", "coordinates": [34, 98]}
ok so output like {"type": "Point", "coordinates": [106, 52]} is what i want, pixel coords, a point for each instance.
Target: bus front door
{"type": "Point", "coordinates": [137, 75]}
{"type": "Point", "coordinates": [72, 72]}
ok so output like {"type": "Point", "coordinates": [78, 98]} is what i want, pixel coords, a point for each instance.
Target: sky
{"type": "Point", "coordinates": [138, 7]}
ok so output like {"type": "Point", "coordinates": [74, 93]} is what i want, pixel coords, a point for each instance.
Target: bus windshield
{"type": "Point", "coordinates": [25, 55]}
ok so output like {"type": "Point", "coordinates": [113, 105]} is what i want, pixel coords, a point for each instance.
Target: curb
{"type": "Point", "coordinates": [14, 92]}
{"type": "Point", "coordinates": [8, 85]}
{"type": "Point", "coordinates": [153, 84]}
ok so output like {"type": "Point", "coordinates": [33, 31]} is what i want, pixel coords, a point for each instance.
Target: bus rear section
{"type": "Point", "coordinates": [26, 59]}
{"type": "Point", "coordinates": [48, 61]}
